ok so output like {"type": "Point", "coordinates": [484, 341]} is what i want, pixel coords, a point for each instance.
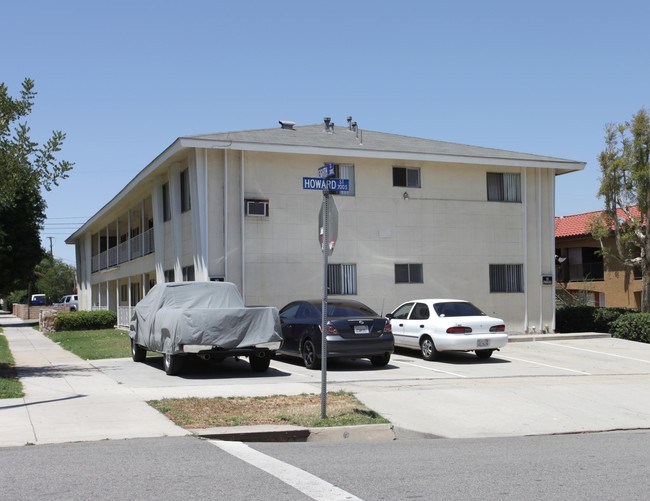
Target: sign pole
{"type": "Point", "coordinates": [325, 249]}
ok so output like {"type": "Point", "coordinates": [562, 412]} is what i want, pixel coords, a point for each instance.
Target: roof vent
{"type": "Point", "coordinates": [349, 123]}
{"type": "Point", "coordinates": [327, 121]}
{"type": "Point", "coordinates": [286, 124]}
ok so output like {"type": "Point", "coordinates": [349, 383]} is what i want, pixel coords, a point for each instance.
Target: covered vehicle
{"type": "Point", "coordinates": [435, 325]}
{"type": "Point", "coordinates": [205, 319]}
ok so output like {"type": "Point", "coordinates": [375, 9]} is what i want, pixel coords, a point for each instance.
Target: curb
{"type": "Point", "coordinates": [288, 433]}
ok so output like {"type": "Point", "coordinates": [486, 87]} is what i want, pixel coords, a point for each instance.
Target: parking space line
{"type": "Point", "coordinates": [598, 352]}
{"type": "Point", "coordinates": [310, 485]}
{"type": "Point", "coordinates": [545, 365]}
{"type": "Point", "coordinates": [434, 370]}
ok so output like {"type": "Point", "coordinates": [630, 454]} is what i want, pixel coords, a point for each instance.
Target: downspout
{"type": "Point", "coordinates": [243, 239]}
{"type": "Point", "coordinates": [524, 196]}
{"type": "Point", "coordinates": [552, 239]}
{"type": "Point", "coordinates": [225, 215]}
{"type": "Point", "coordinates": [539, 248]}
{"type": "Point", "coordinates": [204, 230]}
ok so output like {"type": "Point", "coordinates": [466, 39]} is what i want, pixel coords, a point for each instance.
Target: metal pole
{"type": "Point", "coordinates": [325, 250]}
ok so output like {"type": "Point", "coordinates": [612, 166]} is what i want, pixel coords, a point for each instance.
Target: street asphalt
{"type": "Point", "coordinates": [554, 386]}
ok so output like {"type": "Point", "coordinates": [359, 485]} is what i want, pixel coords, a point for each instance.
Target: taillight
{"type": "Point", "coordinates": [388, 328]}
{"type": "Point", "coordinates": [459, 329]}
{"type": "Point", "coordinates": [330, 329]}
{"type": "Point", "coordinates": [498, 328]}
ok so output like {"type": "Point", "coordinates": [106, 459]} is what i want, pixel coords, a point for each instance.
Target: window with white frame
{"type": "Point", "coordinates": [185, 191]}
{"type": "Point", "coordinates": [409, 274]}
{"type": "Point", "coordinates": [506, 278]}
{"type": "Point", "coordinates": [406, 176]}
{"type": "Point", "coordinates": [503, 187]}
{"type": "Point", "coordinates": [344, 171]}
{"type": "Point", "coordinates": [342, 278]}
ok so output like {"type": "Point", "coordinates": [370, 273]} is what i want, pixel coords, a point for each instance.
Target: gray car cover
{"type": "Point", "coordinates": [201, 313]}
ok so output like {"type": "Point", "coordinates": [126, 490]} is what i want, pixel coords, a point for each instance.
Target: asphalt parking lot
{"type": "Point", "coordinates": [528, 388]}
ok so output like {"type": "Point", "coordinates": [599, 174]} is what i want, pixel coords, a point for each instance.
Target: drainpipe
{"type": "Point", "coordinates": [243, 239]}
{"type": "Point", "coordinates": [225, 215]}
{"type": "Point", "coordinates": [524, 201]}
{"type": "Point", "coordinates": [552, 239]}
{"type": "Point", "coordinates": [539, 249]}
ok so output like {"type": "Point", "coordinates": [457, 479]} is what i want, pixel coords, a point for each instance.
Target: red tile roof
{"type": "Point", "coordinates": [578, 224]}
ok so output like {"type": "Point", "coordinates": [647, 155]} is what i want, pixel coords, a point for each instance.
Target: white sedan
{"type": "Point", "coordinates": [435, 325]}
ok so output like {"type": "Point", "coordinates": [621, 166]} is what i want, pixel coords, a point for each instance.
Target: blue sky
{"type": "Point", "coordinates": [123, 79]}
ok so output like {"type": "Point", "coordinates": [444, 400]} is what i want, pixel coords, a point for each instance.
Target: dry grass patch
{"type": "Point", "coordinates": [300, 410]}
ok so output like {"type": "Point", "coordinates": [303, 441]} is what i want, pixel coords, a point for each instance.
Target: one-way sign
{"type": "Point", "coordinates": [317, 183]}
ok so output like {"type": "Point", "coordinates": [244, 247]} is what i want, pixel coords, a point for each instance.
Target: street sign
{"type": "Point", "coordinates": [333, 184]}
{"type": "Point", "coordinates": [332, 225]}
{"type": "Point", "coordinates": [326, 170]}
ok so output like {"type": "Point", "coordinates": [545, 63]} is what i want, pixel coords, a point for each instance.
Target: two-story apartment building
{"type": "Point", "coordinates": [422, 218]}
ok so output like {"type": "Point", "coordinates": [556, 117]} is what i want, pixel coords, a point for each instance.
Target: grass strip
{"type": "Point", "coordinates": [94, 344]}
{"type": "Point", "coordinates": [10, 386]}
{"type": "Point", "coordinates": [343, 409]}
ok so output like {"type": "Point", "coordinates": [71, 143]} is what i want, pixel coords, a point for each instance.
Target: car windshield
{"type": "Point", "coordinates": [455, 309]}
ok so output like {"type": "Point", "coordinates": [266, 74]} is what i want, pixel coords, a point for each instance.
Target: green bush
{"type": "Point", "coordinates": [587, 318]}
{"type": "Point", "coordinates": [632, 326]}
{"type": "Point", "coordinates": [85, 320]}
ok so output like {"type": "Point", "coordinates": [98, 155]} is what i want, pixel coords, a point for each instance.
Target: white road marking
{"type": "Point", "coordinates": [544, 365]}
{"type": "Point", "coordinates": [432, 369]}
{"type": "Point", "coordinates": [598, 352]}
{"type": "Point", "coordinates": [310, 485]}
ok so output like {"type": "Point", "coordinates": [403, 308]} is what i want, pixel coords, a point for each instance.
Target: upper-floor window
{"type": "Point", "coordinates": [344, 171]}
{"type": "Point", "coordinates": [506, 278]}
{"type": "Point", "coordinates": [169, 275]}
{"type": "Point", "coordinates": [406, 176]}
{"type": "Point", "coordinates": [185, 191]}
{"type": "Point", "coordinates": [188, 273]}
{"type": "Point", "coordinates": [167, 213]}
{"type": "Point", "coordinates": [409, 274]}
{"type": "Point", "coordinates": [504, 187]}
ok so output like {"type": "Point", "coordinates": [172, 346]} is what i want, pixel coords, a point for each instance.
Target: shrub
{"type": "Point", "coordinates": [85, 320]}
{"type": "Point", "coordinates": [632, 326]}
{"type": "Point", "coordinates": [587, 318]}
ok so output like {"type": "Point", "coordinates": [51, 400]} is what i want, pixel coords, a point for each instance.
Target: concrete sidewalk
{"type": "Point", "coordinates": [68, 400]}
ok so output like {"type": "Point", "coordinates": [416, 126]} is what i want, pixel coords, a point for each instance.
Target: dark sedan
{"type": "Point", "coordinates": [353, 331]}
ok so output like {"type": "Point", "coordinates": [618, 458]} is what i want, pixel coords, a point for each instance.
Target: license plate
{"type": "Point", "coordinates": [482, 343]}
{"type": "Point", "coordinates": [361, 329]}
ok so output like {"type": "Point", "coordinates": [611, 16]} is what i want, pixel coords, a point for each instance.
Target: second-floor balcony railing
{"type": "Point", "coordinates": [139, 246]}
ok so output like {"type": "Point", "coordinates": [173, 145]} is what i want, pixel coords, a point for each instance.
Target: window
{"type": "Point", "coordinates": [257, 208]}
{"type": "Point", "coordinates": [188, 274]}
{"type": "Point", "coordinates": [167, 214]}
{"type": "Point", "coordinates": [503, 187]}
{"type": "Point", "coordinates": [135, 293]}
{"type": "Point", "coordinates": [407, 177]}
{"type": "Point", "coordinates": [124, 290]}
{"type": "Point", "coordinates": [506, 278]}
{"type": "Point", "coordinates": [344, 171]}
{"type": "Point", "coordinates": [342, 278]}
{"type": "Point", "coordinates": [169, 275]}
{"type": "Point", "coordinates": [408, 274]}
{"type": "Point", "coordinates": [185, 191]}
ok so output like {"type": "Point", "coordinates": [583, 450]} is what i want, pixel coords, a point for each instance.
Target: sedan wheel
{"type": "Point", "coordinates": [484, 353]}
{"type": "Point", "coordinates": [138, 353]}
{"type": "Point", "coordinates": [380, 360]}
{"type": "Point", "coordinates": [309, 355]}
{"type": "Point", "coordinates": [172, 364]}
{"type": "Point", "coordinates": [429, 351]}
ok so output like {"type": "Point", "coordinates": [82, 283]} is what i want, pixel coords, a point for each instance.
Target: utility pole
{"type": "Point", "coordinates": [51, 252]}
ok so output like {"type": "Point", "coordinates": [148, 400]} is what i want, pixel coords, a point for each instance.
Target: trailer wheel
{"type": "Point", "coordinates": [259, 363]}
{"type": "Point", "coordinates": [138, 353]}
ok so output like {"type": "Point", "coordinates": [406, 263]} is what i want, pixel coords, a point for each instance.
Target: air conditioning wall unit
{"type": "Point", "coordinates": [259, 208]}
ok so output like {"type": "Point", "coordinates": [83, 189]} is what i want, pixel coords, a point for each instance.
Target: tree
{"type": "Point", "coordinates": [56, 279]}
{"type": "Point", "coordinates": [625, 186]}
{"type": "Point", "coordinates": [25, 169]}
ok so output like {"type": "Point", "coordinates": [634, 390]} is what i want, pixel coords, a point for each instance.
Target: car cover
{"type": "Point", "coordinates": [201, 313]}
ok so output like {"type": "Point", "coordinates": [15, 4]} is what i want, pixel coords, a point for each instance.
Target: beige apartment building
{"type": "Point", "coordinates": [422, 218]}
